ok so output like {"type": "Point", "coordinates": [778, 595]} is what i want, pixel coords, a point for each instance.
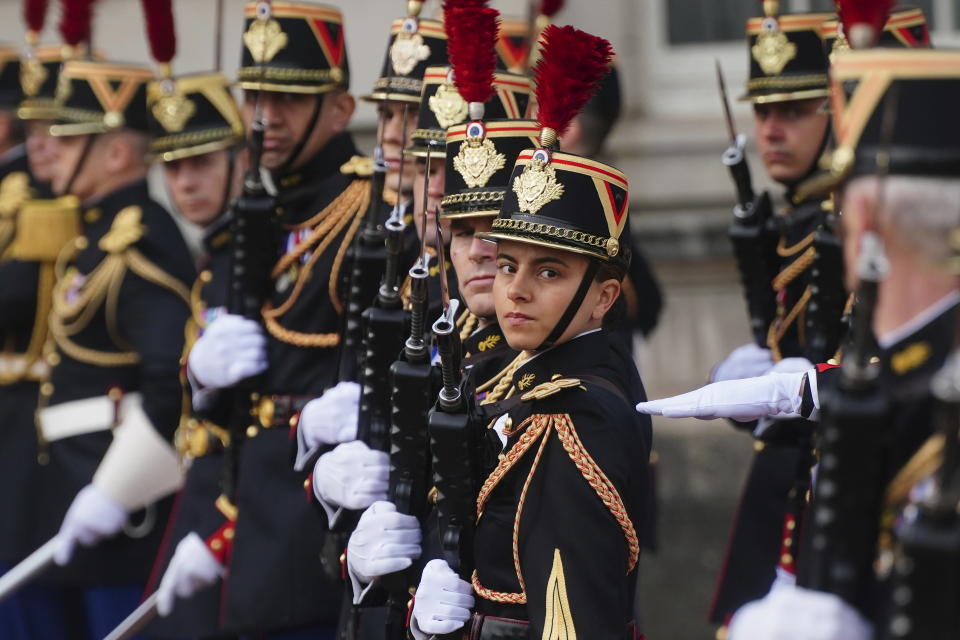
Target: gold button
{"type": "Point", "coordinates": [53, 358]}
{"type": "Point", "coordinates": [216, 545]}
{"type": "Point", "coordinates": [46, 389]}
{"type": "Point", "coordinates": [228, 533]}
{"type": "Point", "coordinates": [306, 483]}
{"type": "Point", "coordinates": [758, 446]}
{"type": "Point", "coordinates": [786, 559]}
{"type": "Point", "coordinates": [90, 216]}
{"type": "Point", "coordinates": [252, 431]}
{"type": "Point", "coordinates": [81, 242]}
{"type": "Point", "coordinates": [206, 276]}
{"type": "Point", "coordinates": [791, 525]}
{"type": "Point", "coordinates": [114, 393]}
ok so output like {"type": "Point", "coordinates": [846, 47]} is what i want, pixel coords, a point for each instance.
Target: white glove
{"type": "Point", "coordinates": [231, 349]}
{"type": "Point", "coordinates": [383, 542]}
{"type": "Point", "coordinates": [352, 476]}
{"type": "Point", "coordinates": [746, 361]}
{"type": "Point", "coordinates": [192, 568]}
{"type": "Point", "coordinates": [786, 365]}
{"type": "Point", "coordinates": [330, 419]}
{"type": "Point", "coordinates": [91, 518]}
{"type": "Point", "coordinates": [775, 394]}
{"type": "Point", "coordinates": [792, 613]}
{"type": "Point", "coordinates": [443, 601]}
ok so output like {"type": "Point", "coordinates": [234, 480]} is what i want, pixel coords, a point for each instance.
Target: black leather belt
{"type": "Point", "coordinates": [484, 627]}
{"type": "Point", "coordinates": [274, 411]}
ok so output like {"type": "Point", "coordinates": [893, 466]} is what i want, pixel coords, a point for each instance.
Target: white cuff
{"type": "Point", "coordinates": [140, 467]}
{"type": "Point", "coordinates": [333, 511]}
{"type": "Point", "coordinates": [303, 453]}
{"type": "Point", "coordinates": [201, 397]}
{"type": "Point", "coordinates": [359, 591]}
{"type": "Point", "coordinates": [815, 394]}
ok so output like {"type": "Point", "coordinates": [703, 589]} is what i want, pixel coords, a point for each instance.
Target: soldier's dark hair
{"type": "Point", "coordinates": [600, 114]}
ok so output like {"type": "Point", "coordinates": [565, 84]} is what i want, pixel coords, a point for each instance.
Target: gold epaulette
{"type": "Point", "coordinates": [360, 166]}
{"type": "Point", "coordinates": [346, 211]}
{"type": "Point", "coordinates": [44, 228]}
{"type": "Point", "coordinates": [75, 307]}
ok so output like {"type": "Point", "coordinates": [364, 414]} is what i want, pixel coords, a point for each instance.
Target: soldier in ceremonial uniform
{"type": "Point", "coordinates": [112, 399]}
{"type": "Point", "coordinates": [267, 538]}
{"type": "Point", "coordinates": [33, 229]}
{"type": "Point", "coordinates": [571, 445]}
{"type": "Point", "coordinates": [896, 158]}
{"type": "Point", "coordinates": [202, 163]}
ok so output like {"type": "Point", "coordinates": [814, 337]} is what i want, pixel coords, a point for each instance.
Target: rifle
{"type": "Point", "coordinates": [855, 428]}
{"type": "Point", "coordinates": [855, 431]}
{"type": "Point", "coordinates": [926, 572]}
{"type": "Point", "coordinates": [414, 383]}
{"type": "Point", "coordinates": [454, 443]}
{"type": "Point", "coordinates": [751, 229]}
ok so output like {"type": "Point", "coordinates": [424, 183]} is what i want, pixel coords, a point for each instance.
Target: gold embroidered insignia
{"type": "Point", "coordinates": [558, 618]}
{"type": "Point", "coordinates": [14, 191]}
{"type": "Point", "coordinates": [408, 49]}
{"type": "Point", "coordinates": [526, 381]}
{"type": "Point", "coordinates": [547, 389]}
{"type": "Point", "coordinates": [773, 50]}
{"type": "Point", "coordinates": [910, 357]}
{"type": "Point", "coordinates": [537, 185]}
{"type": "Point", "coordinates": [125, 230]}
{"type": "Point", "coordinates": [264, 39]}
{"type": "Point", "coordinates": [489, 342]}
{"type": "Point", "coordinates": [32, 76]}
{"type": "Point", "coordinates": [477, 160]}
{"type": "Point", "coordinates": [840, 45]}
{"type": "Point", "coordinates": [64, 90]}
{"type": "Point", "coordinates": [360, 166]}
{"type": "Point", "coordinates": [173, 110]}
{"type": "Point", "coordinates": [448, 106]}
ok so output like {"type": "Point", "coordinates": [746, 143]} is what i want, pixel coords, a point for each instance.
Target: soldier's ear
{"type": "Point", "coordinates": [341, 105]}
{"type": "Point", "coordinates": [609, 292]}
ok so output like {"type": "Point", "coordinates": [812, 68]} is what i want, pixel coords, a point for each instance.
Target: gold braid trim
{"type": "Point", "coordinates": [350, 204]}
{"type": "Point", "coordinates": [922, 465]}
{"type": "Point", "coordinates": [780, 326]}
{"type": "Point", "coordinates": [598, 480]}
{"type": "Point", "coordinates": [467, 322]}
{"type": "Point", "coordinates": [102, 286]}
{"type": "Point", "coordinates": [342, 251]}
{"type": "Point", "coordinates": [794, 269]}
{"type": "Point", "coordinates": [785, 252]}
{"type": "Point", "coordinates": [502, 381]}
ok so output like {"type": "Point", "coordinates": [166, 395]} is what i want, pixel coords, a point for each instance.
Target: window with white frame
{"type": "Point", "coordinates": [680, 39]}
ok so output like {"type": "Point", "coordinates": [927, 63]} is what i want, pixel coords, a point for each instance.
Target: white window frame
{"type": "Point", "coordinates": [679, 80]}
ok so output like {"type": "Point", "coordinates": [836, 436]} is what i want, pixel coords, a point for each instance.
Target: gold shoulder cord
{"type": "Point", "coordinates": [102, 287]}
{"type": "Point", "coordinates": [785, 319]}
{"type": "Point", "coordinates": [538, 426]}
{"type": "Point", "coordinates": [467, 322]}
{"type": "Point", "coordinates": [14, 192]}
{"type": "Point", "coordinates": [348, 208]}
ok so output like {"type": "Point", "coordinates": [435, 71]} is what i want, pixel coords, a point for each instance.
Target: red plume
{"type": "Point", "coordinates": [35, 14]}
{"type": "Point", "coordinates": [471, 45]}
{"type": "Point", "coordinates": [571, 66]}
{"type": "Point", "coordinates": [160, 30]}
{"type": "Point", "coordinates": [550, 8]}
{"type": "Point", "coordinates": [855, 14]}
{"type": "Point", "coordinates": [75, 21]}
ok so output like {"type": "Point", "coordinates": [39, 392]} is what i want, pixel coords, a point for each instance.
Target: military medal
{"type": "Point", "coordinates": [478, 158]}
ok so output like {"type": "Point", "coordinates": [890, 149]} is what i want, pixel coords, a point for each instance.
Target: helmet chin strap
{"type": "Point", "coordinates": [231, 167]}
{"type": "Point", "coordinates": [77, 168]}
{"type": "Point", "coordinates": [302, 142]}
{"type": "Point", "coordinates": [592, 267]}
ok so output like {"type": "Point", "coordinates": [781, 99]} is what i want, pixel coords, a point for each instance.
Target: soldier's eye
{"type": "Point", "coordinates": [549, 274]}
{"type": "Point", "coordinates": [506, 268]}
